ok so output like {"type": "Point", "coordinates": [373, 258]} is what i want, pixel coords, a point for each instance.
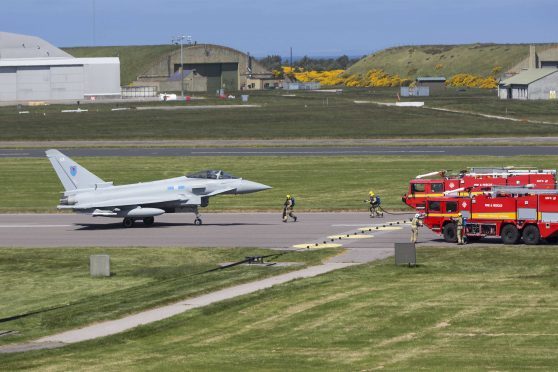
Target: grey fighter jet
{"type": "Point", "coordinates": [88, 194]}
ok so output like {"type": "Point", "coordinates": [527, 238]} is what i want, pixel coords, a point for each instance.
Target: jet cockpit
{"type": "Point", "coordinates": [211, 174]}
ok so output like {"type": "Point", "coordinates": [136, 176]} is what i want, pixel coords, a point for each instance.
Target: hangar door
{"type": "Point", "coordinates": [33, 83]}
{"type": "Point", "coordinates": [219, 75]}
{"type": "Point", "coordinates": [66, 82]}
{"type": "Point", "coordinates": [8, 84]}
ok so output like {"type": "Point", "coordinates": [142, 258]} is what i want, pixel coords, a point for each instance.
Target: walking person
{"type": "Point", "coordinates": [375, 203]}
{"type": "Point", "coordinates": [288, 207]}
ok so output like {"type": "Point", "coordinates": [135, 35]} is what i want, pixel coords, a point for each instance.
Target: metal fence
{"type": "Point", "coordinates": [130, 92]}
{"type": "Point", "coordinates": [301, 86]}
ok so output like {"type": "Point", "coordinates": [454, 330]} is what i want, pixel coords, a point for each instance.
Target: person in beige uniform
{"type": "Point", "coordinates": [460, 225]}
{"type": "Point", "coordinates": [416, 222]}
{"type": "Point", "coordinates": [288, 209]}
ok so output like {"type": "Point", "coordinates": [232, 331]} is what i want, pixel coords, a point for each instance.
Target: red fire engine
{"type": "Point", "coordinates": [513, 214]}
{"type": "Point", "coordinates": [474, 181]}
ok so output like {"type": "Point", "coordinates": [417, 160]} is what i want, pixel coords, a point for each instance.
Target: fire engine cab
{"type": "Point", "coordinates": [474, 181]}
{"type": "Point", "coordinates": [513, 214]}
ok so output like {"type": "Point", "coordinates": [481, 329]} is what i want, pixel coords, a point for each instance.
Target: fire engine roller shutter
{"type": "Point", "coordinates": [526, 213]}
{"type": "Point", "coordinates": [549, 217]}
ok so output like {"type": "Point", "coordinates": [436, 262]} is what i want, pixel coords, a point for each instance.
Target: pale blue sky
{"type": "Point", "coordinates": [262, 27]}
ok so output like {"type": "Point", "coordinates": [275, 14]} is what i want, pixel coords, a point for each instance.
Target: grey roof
{"type": "Point", "coordinates": [526, 77]}
{"type": "Point", "coordinates": [431, 78]}
{"type": "Point", "coordinates": [14, 46]}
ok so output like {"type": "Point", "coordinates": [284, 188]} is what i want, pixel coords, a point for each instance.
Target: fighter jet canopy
{"type": "Point", "coordinates": [211, 175]}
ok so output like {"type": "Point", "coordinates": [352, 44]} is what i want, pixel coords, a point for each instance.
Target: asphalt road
{"type": "Point", "coordinates": [292, 151]}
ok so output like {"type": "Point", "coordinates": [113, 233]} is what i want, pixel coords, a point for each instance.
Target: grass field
{"type": "Point", "coordinates": [328, 183]}
{"type": "Point", "coordinates": [308, 115]}
{"type": "Point", "coordinates": [460, 309]}
{"type": "Point", "coordinates": [36, 279]}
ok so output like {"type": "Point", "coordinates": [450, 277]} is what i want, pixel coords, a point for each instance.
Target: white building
{"type": "Point", "coordinates": [31, 69]}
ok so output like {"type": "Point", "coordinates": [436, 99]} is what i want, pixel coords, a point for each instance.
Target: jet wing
{"type": "Point", "coordinates": [125, 202]}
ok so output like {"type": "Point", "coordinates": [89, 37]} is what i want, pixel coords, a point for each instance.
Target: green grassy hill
{"type": "Point", "coordinates": [134, 60]}
{"type": "Point", "coordinates": [444, 60]}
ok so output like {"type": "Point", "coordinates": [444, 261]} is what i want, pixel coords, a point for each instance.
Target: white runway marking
{"type": "Point", "coordinates": [14, 154]}
{"type": "Point", "coordinates": [319, 152]}
{"type": "Point", "coordinates": [26, 226]}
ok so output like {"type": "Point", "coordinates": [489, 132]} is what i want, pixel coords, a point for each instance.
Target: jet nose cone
{"type": "Point", "coordinates": [246, 187]}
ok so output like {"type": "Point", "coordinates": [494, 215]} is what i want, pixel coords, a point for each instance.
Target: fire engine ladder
{"type": "Point", "coordinates": [521, 190]}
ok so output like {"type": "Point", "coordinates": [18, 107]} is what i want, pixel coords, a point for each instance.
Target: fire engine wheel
{"type": "Point", "coordinates": [450, 233]}
{"type": "Point", "coordinates": [510, 234]}
{"type": "Point", "coordinates": [531, 235]}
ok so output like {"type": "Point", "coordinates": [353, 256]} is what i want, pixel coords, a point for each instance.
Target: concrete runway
{"type": "Point", "coordinates": [292, 151]}
{"type": "Point", "coordinates": [219, 230]}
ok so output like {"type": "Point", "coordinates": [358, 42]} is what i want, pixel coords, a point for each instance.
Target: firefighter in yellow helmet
{"type": "Point", "coordinates": [288, 208]}
{"type": "Point", "coordinates": [374, 202]}
{"type": "Point", "coordinates": [416, 222]}
{"type": "Point", "coordinates": [460, 228]}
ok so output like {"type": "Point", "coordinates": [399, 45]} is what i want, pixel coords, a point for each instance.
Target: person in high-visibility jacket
{"type": "Point", "coordinates": [460, 228]}
{"type": "Point", "coordinates": [415, 223]}
{"type": "Point", "coordinates": [375, 203]}
{"type": "Point", "coordinates": [288, 207]}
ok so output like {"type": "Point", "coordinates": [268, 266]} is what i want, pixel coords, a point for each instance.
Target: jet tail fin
{"type": "Point", "coordinates": [72, 175]}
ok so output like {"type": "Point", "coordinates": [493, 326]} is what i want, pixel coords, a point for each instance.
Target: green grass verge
{"type": "Point", "coordinates": [279, 117]}
{"type": "Point", "coordinates": [467, 309]}
{"type": "Point", "coordinates": [329, 183]}
{"type": "Point", "coordinates": [37, 279]}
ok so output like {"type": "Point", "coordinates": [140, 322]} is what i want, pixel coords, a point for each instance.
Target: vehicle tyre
{"type": "Point", "coordinates": [531, 235]}
{"type": "Point", "coordinates": [128, 222]}
{"type": "Point", "coordinates": [510, 234]}
{"type": "Point", "coordinates": [148, 221]}
{"type": "Point", "coordinates": [450, 233]}
{"type": "Point", "coordinates": [198, 221]}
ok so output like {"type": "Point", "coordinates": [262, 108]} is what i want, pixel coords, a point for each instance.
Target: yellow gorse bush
{"type": "Point", "coordinates": [380, 78]}
{"type": "Point", "coordinates": [472, 81]}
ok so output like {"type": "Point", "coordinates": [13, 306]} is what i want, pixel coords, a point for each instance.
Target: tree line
{"type": "Point", "coordinates": [275, 62]}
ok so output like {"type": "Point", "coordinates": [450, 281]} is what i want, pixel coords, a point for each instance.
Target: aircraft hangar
{"type": "Point", "coordinates": [207, 68]}
{"type": "Point", "coordinates": [31, 69]}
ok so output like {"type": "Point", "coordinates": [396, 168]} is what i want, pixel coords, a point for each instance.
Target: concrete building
{"type": "Point", "coordinates": [539, 57]}
{"type": "Point", "coordinates": [207, 68]}
{"type": "Point", "coordinates": [533, 83]}
{"type": "Point", "coordinates": [32, 69]}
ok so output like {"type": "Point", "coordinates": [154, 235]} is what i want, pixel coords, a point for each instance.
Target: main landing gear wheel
{"type": "Point", "coordinates": [148, 221]}
{"type": "Point", "coordinates": [128, 222]}
{"type": "Point", "coordinates": [198, 221]}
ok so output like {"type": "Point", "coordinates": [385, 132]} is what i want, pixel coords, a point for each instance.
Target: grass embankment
{"type": "Point", "coordinates": [444, 60]}
{"type": "Point", "coordinates": [466, 309]}
{"type": "Point", "coordinates": [330, 183]}
{"type": "Point", "coordinates": [308, 115]}
{"type": "Point", "coordinates": [134, 60]}
{"type": "Point", "coordinates": [35, 279]}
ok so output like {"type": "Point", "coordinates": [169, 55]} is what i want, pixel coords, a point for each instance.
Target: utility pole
{"type": "Point", "coordinates": [176, 40]}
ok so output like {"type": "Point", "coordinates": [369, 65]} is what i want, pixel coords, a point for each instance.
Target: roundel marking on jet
{"type": "Point", "coordinates": [73, 170]}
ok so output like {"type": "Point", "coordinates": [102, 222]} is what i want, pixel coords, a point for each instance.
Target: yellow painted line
{"type": "Point", "coordinates": [380, 228]}
{"type": "Point", "coordinates": [317, 245]}
{"type": "Point", "coordinates": [350, 236]}
{"type": "Point", "coordinates": [443, 215]}
{"type": "Point", "coordinates": [496, 216]}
